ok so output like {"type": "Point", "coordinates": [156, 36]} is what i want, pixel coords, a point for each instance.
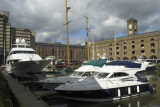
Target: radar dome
{"type": "Point", "coordinates": [23, 41]}
{"type": "Point", "coordinates": [17, 41]}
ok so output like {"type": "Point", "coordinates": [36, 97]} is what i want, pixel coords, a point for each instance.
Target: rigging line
{"type": "Point", "coordinates": [76, 13]}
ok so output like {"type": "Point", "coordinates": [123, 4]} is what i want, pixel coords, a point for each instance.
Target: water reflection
{"type": "Point", "coordinates": [150, 100]}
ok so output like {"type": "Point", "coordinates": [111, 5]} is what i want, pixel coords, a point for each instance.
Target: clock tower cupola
{"type": "Point", "coordinates": [132, 27]}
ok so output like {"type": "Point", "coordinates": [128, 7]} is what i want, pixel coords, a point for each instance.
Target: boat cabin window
{"type": "Point", "coordinates": [22, 52]}
{"type": "Point", "coordinates": [101, 75]}
{"type": "Point", "coordinates": [79, 74]}
{"type": "Point", "coordinates": [87, 74]}
{"type": "Point", "coordinates": [118, 74]}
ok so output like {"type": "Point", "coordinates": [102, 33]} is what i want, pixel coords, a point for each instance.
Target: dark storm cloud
{"type": "Point", "coordinates": [47, 17]}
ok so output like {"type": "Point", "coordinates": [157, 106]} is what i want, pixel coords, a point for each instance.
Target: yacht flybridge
{"type": "Point", "coordinates": [115, 80]}
{"type": "Point", "coordinates": [23, 61]}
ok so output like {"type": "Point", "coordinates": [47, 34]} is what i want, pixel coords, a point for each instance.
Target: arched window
{"type": "Point", "coordinates": [153, 57]}
{"type": "Point", "coordinates": [125, 58]}
{"type": "Point", "coordinates": [134, 58]}
{"type": "Point", "coordinates": [144, 57]}
{"type": "Point", "coordinates": [110, 58]}
{"type": "Point", "coordinates": [118, 58]}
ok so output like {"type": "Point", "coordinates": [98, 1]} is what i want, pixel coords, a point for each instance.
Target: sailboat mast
{"type": "Point", "coordinates": [67, 8]}
{"type": "Point", "coordinates": [115, 42]}
{"type": "Point", "coordinates": [87, 36]}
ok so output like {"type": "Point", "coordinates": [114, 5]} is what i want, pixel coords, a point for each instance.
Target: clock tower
{"type": "Point", "coordinates": [132, 27]}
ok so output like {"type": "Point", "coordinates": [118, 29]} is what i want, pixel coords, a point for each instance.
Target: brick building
{"type": "Point", "coordinates": [78, 53]}
{"type": "Point", "coordinates": [131, 47]}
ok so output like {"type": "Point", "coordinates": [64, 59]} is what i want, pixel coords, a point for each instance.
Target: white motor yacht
{"type": "Point", "coordinates": [23, 61]}
{"type": "Point", "coordinates": [85, 71]}
{"type": "Point", "coordinates": [115, 80]}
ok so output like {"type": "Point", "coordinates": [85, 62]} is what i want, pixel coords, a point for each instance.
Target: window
{"type": "Point", "coordinates": [133, 46]}
{"type": "Point", "coordinates": [117, 48]}
{"type": "Point", "coordinates": [125, 47]}
{"type": "Point", "coordinates": [133, 52]}
{"type": "Point", "coordinates": [142, 45]}
{"type": "Point", "coordinates": [142, 52]}
{"type": "Point", "coordinates": [110, 44]}
{"type": "Point", "coordinates": [117, 43]}
{"type": "Point", "coordinates": [153, 51]}
{"type": "Point", "coordinates": [125, 53]}
{"type": "Point", "coordinates": [133, 41]}
{"type": "Point", "coordinates": [117, 53]}
{"type": "Point", "coordinates": [142, 40]}
{"type": "Point", "coordinates": [152, 39]}
{"type": "Point", "coordinates": [119, 74]}
{"type": "Point", "coordinates": [124, 42]}
{"type": "Point", "coordinates": [110, 49]}
{"type": "Point", "coordinates": [152, 45]}
{"type": "Point", "coordinates": [110, 54]}
{"type": "Point", "coordinates": [101, 75]}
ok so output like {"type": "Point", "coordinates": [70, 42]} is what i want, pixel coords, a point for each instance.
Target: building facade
{"type": "Point", "coordinates": [131, 47]}
{"type": "Point", "coordinates": [20, 33]}
{"type": "Point", "coordinates": [9, 34]}
{"type": "Point", "coordinates": [78, 53]}
{"type": "Point", "coordinates": [5, 40]}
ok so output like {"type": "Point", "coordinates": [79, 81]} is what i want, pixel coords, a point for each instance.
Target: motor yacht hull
{"type": "Point", "coordinates": [52, 83]}
{"type": "Point", "coordinates": [103, 95]}
{"type": "Point", "coordinates": [25, 69]}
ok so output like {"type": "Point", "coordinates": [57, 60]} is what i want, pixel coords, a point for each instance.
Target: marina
{"type": "Point", "coordinates": [40, 97]}
{"type": "Point", "coordinates": [77, 59]}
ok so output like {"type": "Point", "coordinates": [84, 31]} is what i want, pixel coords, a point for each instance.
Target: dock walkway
{"type": "Point", "coordinates": [24, 97]}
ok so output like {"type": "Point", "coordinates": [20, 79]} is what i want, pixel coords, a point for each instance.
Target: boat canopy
{"type": "Point", "coordinates": [127, 64]}
{"type": "Point", "coordinates": [96, 62]}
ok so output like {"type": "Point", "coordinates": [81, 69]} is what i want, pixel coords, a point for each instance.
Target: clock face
{"type": "Point", "coordinates": [130, 26]}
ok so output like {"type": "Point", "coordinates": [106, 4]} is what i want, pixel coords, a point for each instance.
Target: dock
{"type": "Point", "coordinates": [23, 95]}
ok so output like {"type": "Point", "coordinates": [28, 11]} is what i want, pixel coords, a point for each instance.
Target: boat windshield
{"type": "Point", "coordinates": [22, 52]}
{"type": "Point", "coordinates": [74, 74]}
{"type": "Point", "coordinates": [100, 75]}
{"type": "Point", "coordinates": [87, 74]}
{"type": "Point", "coordinates": [79, 74]}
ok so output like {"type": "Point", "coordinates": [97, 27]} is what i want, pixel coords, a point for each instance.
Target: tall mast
{"type": "Point", "coordinates": [87, 36]}
{"type": "Point", "coordinates": [67, 8]}
{"type": "Point", "coordinates": [115, 42]}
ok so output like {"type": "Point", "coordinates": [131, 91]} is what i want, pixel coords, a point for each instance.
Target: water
{"type": "Point", "coordinates": [149, 100]}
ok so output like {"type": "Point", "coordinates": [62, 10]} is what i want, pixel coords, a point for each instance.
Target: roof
{"type": "Point", "coordinates": [96, 62]}
{"type": "Point", "coordinates": [127, 64]}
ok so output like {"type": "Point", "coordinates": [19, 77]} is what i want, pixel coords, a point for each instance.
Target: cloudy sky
{"type": "Point", "coordinates": [47, 18]}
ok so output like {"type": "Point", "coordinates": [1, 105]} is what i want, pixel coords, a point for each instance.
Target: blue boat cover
{"type": "Point", "coordinates": [127, 64]}
{"type": "Point", "coordinates": [96, 62]}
